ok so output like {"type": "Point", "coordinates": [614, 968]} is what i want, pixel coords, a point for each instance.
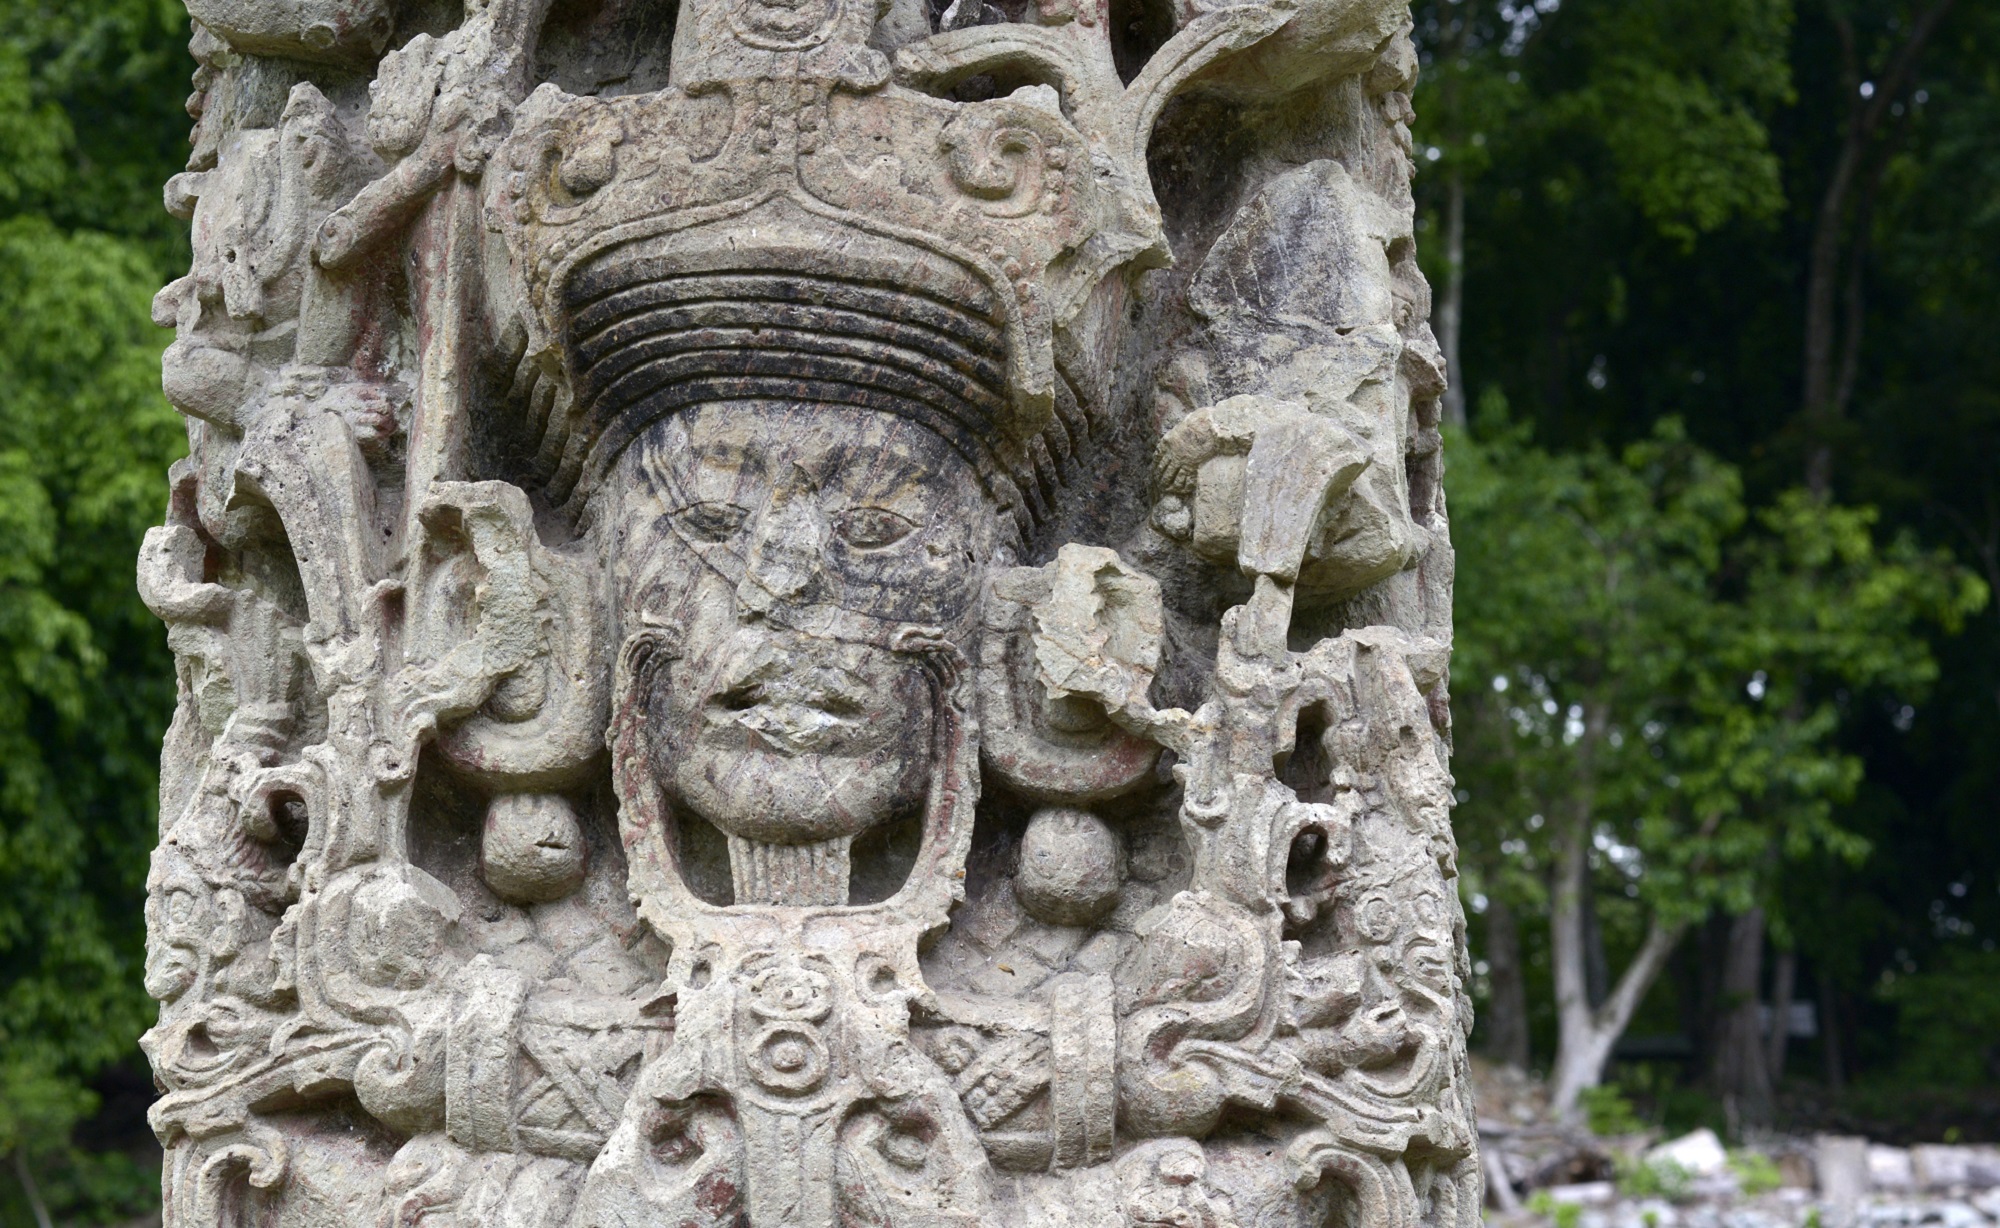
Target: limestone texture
{"type": "Point", "coordinates": [806, 614]}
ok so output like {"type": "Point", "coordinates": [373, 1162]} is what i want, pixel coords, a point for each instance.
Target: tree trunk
{"type": "Point", "coordinates": [1585, 1034]}
{"type": "Point", "coordinates": [1585, 1039]}
{"type": "Point", "coordinates": [1829, 1038]}
{"type": "Point", "coordinates": [1506, 1016]}
{"type": "Point", "coordinates": [1451, 305]}
{"type": "Point", "coordinates": [1498, 1187]}
{"type": "Point", "coordinates": [1596, 965]}
{"type": "Point", "coordinates": [1784, 980]}
{"type": "Point", "coordinates": [1739, 1072]}
{"type": "Point", "coordinates": [1711, 954]}
{"type": "Point", "coordinates": [1822, 273]}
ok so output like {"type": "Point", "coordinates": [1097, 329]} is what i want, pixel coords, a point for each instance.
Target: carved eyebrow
{"type": "Point", "coordinates": [730, 453]}
{"type": "Point", "coordinates": [877, 472]}
{"type": "Point", "coordinates": [687, 475]}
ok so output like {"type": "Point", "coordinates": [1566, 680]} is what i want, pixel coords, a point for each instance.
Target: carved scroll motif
{"type": "Point", "coordinates": [805, 613]}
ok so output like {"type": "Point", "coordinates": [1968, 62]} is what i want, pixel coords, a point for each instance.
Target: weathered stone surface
{"type": "Point", "coordinates": [806, 613]}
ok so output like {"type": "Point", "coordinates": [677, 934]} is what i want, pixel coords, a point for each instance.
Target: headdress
{"type": "Point", "coordinates": [796, 219]}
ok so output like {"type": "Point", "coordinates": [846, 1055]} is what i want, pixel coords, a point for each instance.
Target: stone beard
{"type": "Point", "coordinates": [758, 648]}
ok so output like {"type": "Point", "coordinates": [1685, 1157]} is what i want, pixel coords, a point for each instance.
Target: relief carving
{"type": "Point", "coordinates": [847, 629]}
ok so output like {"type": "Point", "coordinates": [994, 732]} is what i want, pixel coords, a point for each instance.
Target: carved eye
{"type": "Point", "coordinates": [872, 528]}
{"type": "Point", "coordinates": [712, 522]}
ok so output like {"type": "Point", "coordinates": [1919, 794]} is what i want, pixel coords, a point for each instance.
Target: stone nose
{"type": "Point", "coordinates": [787, 543]}
{"type": "Point", "coordinates": [200, 298]}
{"type": "Point", "coordinates": [167, 303]}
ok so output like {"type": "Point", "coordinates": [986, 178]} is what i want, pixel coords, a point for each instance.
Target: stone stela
{"type": "Point", "coordinates": [806, 614]}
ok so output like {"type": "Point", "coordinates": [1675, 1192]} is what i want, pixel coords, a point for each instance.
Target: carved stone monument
{"type": "Point", "coordinates": [806, 614]}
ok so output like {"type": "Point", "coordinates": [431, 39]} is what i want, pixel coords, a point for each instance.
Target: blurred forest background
{"type": "Point", "coordinates": [1717, 279]}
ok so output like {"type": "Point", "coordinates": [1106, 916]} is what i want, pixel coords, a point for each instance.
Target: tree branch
{"type": "Point", "coordinates": [1819, 404]}
{"type": "Point", "coordinates": [1639, 975]}
{"type": "Point", "coordinates": [1861, 241]}
{"type": "Point", "coordinates": [29, 1188]}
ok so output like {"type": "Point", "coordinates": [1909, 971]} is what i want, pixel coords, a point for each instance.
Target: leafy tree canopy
{"type": "Point", "coordinates": [1664, 99]}
{"type": "Point", "coordinates": [1648, 668]}
{"type": "Point", "coordinates": [1615, 266]}
{"type": "Point", "coordinates": [87, 132]}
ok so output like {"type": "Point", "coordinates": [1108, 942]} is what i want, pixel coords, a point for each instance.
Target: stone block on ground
{"type": "Point", "coordinates": [1841, 1165]}
{"type": "Point", "coordinates": [1583, 1194]}
{"type": "Point", "coordinates": [1890, 1168]}
{"type": "Point", "coordinates": [1941, 1167]}
{"type": "Point", "coordinates": [1698, 1154]}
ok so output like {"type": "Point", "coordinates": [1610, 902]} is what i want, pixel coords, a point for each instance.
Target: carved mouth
{"type": "Point", "coordinates": [794, 729]}
{"type": "Point", "coordinates": [792, 720]}
{"type": "Point", "coordinates": [249, 339]}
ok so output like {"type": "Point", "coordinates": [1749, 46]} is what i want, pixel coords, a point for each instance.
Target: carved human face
{"type": "Point", "coordinates": [179, 916]}
{"type": "Point", "coordinates": [236, 314]}
{"type": "Point", "coordinates": [787, 546]}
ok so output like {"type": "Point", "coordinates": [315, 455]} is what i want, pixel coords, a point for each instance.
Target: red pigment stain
{"type": "Point", "coordinates": [715, 1194]}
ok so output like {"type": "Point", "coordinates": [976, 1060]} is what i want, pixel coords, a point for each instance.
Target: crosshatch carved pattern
{"type": "Point", "coordinates": [806, 614]}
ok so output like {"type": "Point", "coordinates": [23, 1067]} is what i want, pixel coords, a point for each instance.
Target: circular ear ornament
{"type": "Point", "coordinates": [1072, 865]}
{"type": "Point", "coordinates": [532, 848]}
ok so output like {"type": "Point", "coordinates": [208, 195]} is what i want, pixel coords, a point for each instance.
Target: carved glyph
{"type": "Point", "coordinates": [805, 613]}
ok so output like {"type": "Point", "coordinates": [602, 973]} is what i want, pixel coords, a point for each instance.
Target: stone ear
{"type": "Point", "coordinates": [1068, 647]}
{"type": "Point", "coordinates": [527, 647]}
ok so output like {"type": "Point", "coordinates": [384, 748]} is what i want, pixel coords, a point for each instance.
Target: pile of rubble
{"type": "Point", "coordinates": [1830, 1181]}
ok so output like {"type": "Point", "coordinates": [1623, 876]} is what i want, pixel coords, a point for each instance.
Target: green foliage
{"type": "Point", "coordinates": [1649, 648]}
{"type": "Point", "coordinates": [89, 114]}
{"type": "Point", "coordinates": [1676, 94]}
{"type": "Point", "coordinates": [1608, 1113]}
{"type": "Point", "coordinates": [1650, 666]}
{"type": "Point", "coordinates": [1756, 1173]}
{"type": "Point", "coordinates": [1670, 96]}
{"type": "Point", "coordinates": [1663, 1179]}
{"type": "Point", "coordinates": [87, 133]}
{"type": "Point", "coordinates": [86, 1187]}
{"type": "Point", "coordinates": [1588, 312]}
{"type": "Point", "coordinates": [84, 441]}
{"type": "Point", "coordinates": [1948, 1018]}
{"type": "Point", "coordinates": [1561, 1214]}
{"type": "Point", "coordinates": [1667, 1102]}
